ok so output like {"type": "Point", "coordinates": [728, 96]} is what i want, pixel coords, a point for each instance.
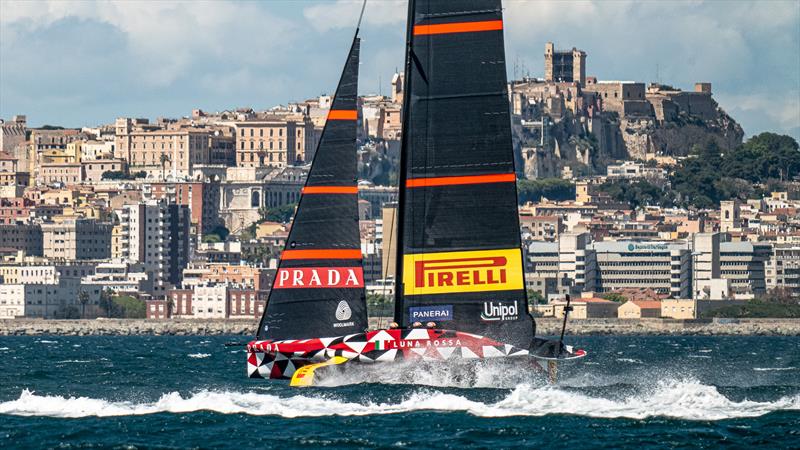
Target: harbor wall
{"type": "Point", "coordinates": [547, 326]}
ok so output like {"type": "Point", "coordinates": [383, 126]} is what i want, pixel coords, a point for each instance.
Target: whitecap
{"type": "Point", "coordinates": [770, 369]}
{"type": "Point", "coordinates": [44, 341]}
{"type": "Point", "coordinates": [689, 400]}
{"type": "Point", "coordinates": [629, 360]}
{"type": "Point", "coordinates": [199, 355]}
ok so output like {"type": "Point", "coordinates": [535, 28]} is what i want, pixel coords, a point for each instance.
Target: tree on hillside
{"type": "Point", "coordinates": [550, 188]}
{"type": "Point", "coordinates": [83, 299]}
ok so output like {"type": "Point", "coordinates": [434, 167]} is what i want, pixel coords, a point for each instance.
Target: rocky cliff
{"type": "Point", "coordinates": [557, 127]}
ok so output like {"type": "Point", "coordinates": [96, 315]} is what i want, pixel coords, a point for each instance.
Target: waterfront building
{"type": "Point", "coordinates": [49, 301]}
{"type": "Point", "coordinates": [639, 309]}
{"type": "Point", "coordinates": [783, 268]}
{"type": "Point", "coordinates": [662, 266]}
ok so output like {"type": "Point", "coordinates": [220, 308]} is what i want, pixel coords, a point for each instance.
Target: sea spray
{"type": "Point", "coordinates": [680, 399]}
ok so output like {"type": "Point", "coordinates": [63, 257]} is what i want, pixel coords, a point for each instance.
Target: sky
{"type": "Point", "coordinates": [85, 63]}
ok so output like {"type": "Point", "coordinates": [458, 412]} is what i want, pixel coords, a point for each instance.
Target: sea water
{"type": "Point", "coordinates": [192, 392]}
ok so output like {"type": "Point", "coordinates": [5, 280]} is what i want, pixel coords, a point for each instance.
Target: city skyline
{"type": "Point", "coordinates": [219, 56]}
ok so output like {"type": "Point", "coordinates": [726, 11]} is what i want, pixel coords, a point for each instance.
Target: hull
{"type": "Point", "coordinates": [280, 359]}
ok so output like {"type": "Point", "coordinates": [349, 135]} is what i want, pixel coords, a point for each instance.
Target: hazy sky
{"type": "Point", "coordinates": [86, 63]}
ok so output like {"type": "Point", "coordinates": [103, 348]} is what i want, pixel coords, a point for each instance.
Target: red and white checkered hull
{"type": "Point", "coordinates": [280, 359]}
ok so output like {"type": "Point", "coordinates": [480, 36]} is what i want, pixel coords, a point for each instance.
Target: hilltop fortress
{"type": "Point", "coordinates": [570, 122]}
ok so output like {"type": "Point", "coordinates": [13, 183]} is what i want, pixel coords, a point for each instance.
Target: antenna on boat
{"type": "Point", "coordinates": [360, 16]}
{"type": "Point", "coordinates": [567, 309]}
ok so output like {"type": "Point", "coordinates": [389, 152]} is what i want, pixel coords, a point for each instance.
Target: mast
{"type": "Point", "coordinates": [400, 213]}
{"type": "Point", "coordinates": [318, 290]}
{"type": "Point", "coordinates": [459, 250]}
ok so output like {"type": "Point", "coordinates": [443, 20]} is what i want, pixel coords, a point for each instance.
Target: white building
{"type": "Point", "coordinates": [783, 268]}
{"type": "Point", "coordinates": [49, 301]}
{"type": "Point", "coordinates": [210, 302]}
{"type": "Point", "coordinates": [664, 267]}
{"type": "Point", "coordinates": [631, 170]}
{"type": "Point", "coordinates": [120, 277]}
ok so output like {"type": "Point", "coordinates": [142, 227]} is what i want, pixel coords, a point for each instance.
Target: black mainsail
{"type": "Point", "coordinates": [459, 260]}
{"type": "Point", "coordinates": [318, 289]}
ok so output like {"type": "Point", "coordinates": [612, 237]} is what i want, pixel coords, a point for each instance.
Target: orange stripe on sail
{"type": "Point", "coordinates": [330, 190]}
{"type": "Point", "coordinates": [322, 254]}
{"type": "Point", "coordinates": [458, 27]}
{"type": "Point", "coordinates": [451, 181]}
{"type": "Point", "coordinates": [343, 114]}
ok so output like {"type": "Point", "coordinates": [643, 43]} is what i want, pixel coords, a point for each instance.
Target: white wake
{"type": "Point", "coordinates": [689, 400]}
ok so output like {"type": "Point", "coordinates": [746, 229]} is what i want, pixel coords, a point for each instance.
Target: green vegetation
{"type": "Point", "coordinates": [380, 305]}
{"type": "Point", "coordinates": [550, 188]}
{"type": "Point", "coordinates": [120, 175]}
{"type": "Point", "coordinates": [637, 193]}
{"type": "Point", "coordinates": [615, 297]}
{"type": "Point", "coordinates": [536, 298]}
{"type": "Point", "coordinates": [122, 306]}
{"type": "Point", "coordinates": [281, 214]}
{"type": "Point", "coordinates": [777, 303]}
{"type": "Point", "coordinates": [755, 309]}
{"type": "Point", "coordinates": [710, 176]}
{"type": "Point", "coordinates": [218, 234]}
{"type": "Point", "coordinates": [256, 254]}
{"type": "Point", "coordinates": [130, 307]}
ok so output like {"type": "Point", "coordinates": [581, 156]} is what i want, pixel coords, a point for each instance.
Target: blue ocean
{"type": "Point", "coordinates": [191, 392]}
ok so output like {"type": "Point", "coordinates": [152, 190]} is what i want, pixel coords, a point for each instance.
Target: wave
{"type": "Point", "coordinates": [199, 355]}
{"type": "Point", "coordinates": [688, 400]}
{"type": "Point", "coordinates": [772, 369]}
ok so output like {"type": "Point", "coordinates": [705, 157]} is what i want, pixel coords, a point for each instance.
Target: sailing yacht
{"type": "Point", "coordinates": [460, 291]}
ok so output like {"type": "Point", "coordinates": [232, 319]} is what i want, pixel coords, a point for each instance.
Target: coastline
{"type": "Point", "coordinates": [545, 326]}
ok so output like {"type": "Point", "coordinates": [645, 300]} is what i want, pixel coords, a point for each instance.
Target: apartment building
{"type": "Point", "coordinates": [159, 151]}
{"type": "Point", "coordinates": [76, 239]}
{"type": "Point", "coordinates": [783, 268]}
{"type": "Point", "coordinates": [275, 141]}
{"type": "Point", "coordinates": [155, 233]}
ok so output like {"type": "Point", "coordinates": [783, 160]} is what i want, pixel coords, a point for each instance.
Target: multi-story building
{"type": "Point", "coordinates": [61, 172]}
{"type": "Point", "coordinates": [743, 264]}
{"type": "Point", "coordinates": [49, 301]}
{"type": "Point", "coordinates": [74, 239]}
{"type": "Point", "coordinates": [156, 233]}
{"type": "Point", "coordinates": [25, 237]}
{"type": "Point", "coordinates": [202, 198]}
{"type": "Point", "coordinates": [120, 277]}
{"type": "Point", "coordinates": [159, 151]}
{"type": "Point", "coordinates": [783, 268]}
{"type": "Point", "coordinates": [567, 266]}
{"type": "Point", "coordinates": [93, 169]}
{"type": "Point", "coordinates": [664, 267]}
{"type": "Point", "coordinates": [275, 141]}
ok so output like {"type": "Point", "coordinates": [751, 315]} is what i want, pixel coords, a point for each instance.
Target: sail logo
{"type": "Point", "coordinates": [500, 311]}
{"type": "Point", "coordinates": [343, 312]}
{"type": "Point", "coordinates": [470, 271]}
{"type": "Point", "coordinates": [319, 277]}
{"type": "Point", "coordinates": [436, 313]}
